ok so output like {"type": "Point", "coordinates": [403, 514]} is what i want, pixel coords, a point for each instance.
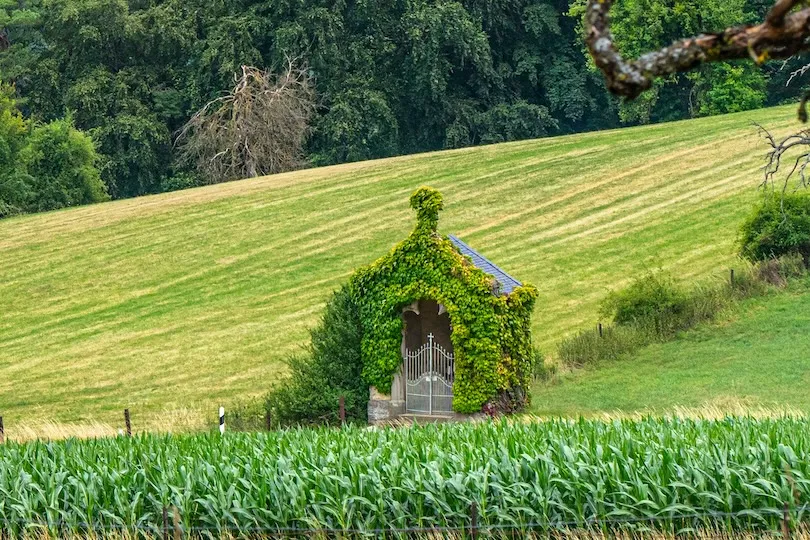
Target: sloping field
{"type": "Point", "coordinates": [174, 303]}
{"type": "Point", "coordinates": [756, 360]}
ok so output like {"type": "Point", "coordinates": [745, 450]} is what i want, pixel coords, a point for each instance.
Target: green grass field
{"type": "Point", "coordinates": [172, 304]}
{"type": "Point", "coordinates": [755, 358]}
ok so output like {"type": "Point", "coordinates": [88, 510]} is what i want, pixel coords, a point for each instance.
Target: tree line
{"type": "Point", "coordinates": [387, 77]}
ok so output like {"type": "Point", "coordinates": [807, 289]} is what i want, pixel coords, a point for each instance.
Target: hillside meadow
{"type": "Point", "coordinates": [175, 303]}
{"type": "Point", "coordinates": [753, 360]}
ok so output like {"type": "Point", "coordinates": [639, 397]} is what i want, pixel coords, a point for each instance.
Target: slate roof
{"type": "Point", "coordinates": [506, 283]}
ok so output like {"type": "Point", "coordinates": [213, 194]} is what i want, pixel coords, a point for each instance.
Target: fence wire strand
{"type": "Point", "coordinates": [594, 523]}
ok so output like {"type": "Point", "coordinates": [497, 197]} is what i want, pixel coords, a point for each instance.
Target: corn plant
{"type": "Point", "coordinates": [520, 474]}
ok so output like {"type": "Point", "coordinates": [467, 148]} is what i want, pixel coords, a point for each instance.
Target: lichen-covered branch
{"type": "Point", "coordinates": [784, 33]}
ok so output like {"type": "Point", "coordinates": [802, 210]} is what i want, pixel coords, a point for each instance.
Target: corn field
{"type": "Point", "coordinates": [527, 475]}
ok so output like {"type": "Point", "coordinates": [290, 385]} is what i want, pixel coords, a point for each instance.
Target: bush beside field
{"type": "Point", "coordinates": [656, 308]}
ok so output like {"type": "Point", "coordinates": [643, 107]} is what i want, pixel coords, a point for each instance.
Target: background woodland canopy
{"type": "Point", "coordinates": [387, 77]}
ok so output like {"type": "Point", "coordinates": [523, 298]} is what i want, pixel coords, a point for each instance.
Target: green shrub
{"type": "Point", "coordinates": [779, 226]}
{"type": "Point", "coordinates": [653, 308]}
{"type": "Point", "coordinates": [588, 347]}
{"type": "Point", "coordinates": [330, 369]}
{"type": "Point", "coordinates": [181, 180]}
{"type": "Point", "coordinates": [61, 162]}
{"type": "Point", "coordinates": [659, 307]}
{"type": "Point", "coordinates": [245, 415]}
{"type": "Point", "coordinates": [542, 370]}
{"type": "Point", "coordinates": [652, 302]}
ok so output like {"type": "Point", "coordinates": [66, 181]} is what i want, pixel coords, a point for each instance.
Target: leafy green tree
{"type": "Point", "coordinates": [331, 368]}
{"type": "Point", "coordinates": [136, 154]}
{"type": "Point", "coordinates": [46, 166]}
{"type": "Point", "coordinates": [652, 302]}
{"type": "Point", "coordinates": [61, 164]}
{"type": "Point", "coordinates": [14, 189]}
{"type": "Point", "coordinates": [19, 31]}
{"type": "Point", "coordinates": [359, 125]}
{"type": "Point", "coordinates": [501, 123]}
{"type": "Point", "coordinates": [509, 122]}
{"type": "Point", "coordinates": [642, 25]}
{"type": "Point", "coordinates": [729, 88]}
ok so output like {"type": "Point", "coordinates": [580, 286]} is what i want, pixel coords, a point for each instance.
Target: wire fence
{"type": "Point", "coordinates": [778, 523]}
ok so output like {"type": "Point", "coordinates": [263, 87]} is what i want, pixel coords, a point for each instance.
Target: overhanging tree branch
{"type": "Point", "coordinates": [783, 33]}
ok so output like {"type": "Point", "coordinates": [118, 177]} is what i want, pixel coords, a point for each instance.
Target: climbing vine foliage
{"type": "Point", "coordinates": [490, 332]}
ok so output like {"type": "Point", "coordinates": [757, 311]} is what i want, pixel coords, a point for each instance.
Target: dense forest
{"type": "Point", "coordinates": [95, 92]}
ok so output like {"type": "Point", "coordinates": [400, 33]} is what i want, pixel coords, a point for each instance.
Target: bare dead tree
{"type": "Point", "coordinates": [796, 72]}
{"type": "Point", "coordinates": [782, 34]}
{"type": "Point", "coordinates": [257, 128]}
{"type": "Point", "coordinates": [779, 149]}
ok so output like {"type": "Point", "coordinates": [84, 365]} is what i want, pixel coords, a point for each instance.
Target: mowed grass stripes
{"type": "Point", "coordinates": [190, 299]}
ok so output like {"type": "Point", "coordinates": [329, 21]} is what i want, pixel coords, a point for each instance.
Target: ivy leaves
{"type": "Point", "coordinates": [491, 334]}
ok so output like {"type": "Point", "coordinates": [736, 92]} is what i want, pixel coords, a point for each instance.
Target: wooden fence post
{"type": "Point", "coordinates": [342, 404]}
{"type": "Point", "coordinates": [2, 431]}
{"type": "Point", "coordinates": [178, 531]}
{"type": "Point", "coordinates": [600, 329]}
{"type": "Point", "coordinates": [474, 519]}
{"type": "Point", "coordinates": [268, 421]}
{"type": "Point", "coordinates": [785, 521]}
{"type": "Point", "coordinates": [127, 422]}
{"type": "Point", "coordinates": [165, 523]}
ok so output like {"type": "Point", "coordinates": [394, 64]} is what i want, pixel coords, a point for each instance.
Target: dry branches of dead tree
{"type": "Point", "coordinates": [257, 128]}
{"type": "Point", "coordinates": [778, 151]}
{"type": "Point", "coordinates": [797, 72]}
{"type": "Point", "coordinates": [784, 33]}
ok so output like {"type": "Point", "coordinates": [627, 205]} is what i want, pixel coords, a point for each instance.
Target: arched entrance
{"type": "Point", "coordinates": [427, 352]}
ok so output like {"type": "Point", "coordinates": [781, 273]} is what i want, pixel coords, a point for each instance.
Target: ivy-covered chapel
{"type": "Point", "coordinates": [445, 331]}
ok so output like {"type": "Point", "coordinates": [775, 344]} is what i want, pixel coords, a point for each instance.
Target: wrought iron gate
{"type": "Point", "coordinates": [429, 379]}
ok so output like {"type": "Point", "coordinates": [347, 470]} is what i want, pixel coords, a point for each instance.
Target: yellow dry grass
{"type": "Point", "coordinates": [169, 421]}
{"type": "Point", "coordinates": [716, 409]}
